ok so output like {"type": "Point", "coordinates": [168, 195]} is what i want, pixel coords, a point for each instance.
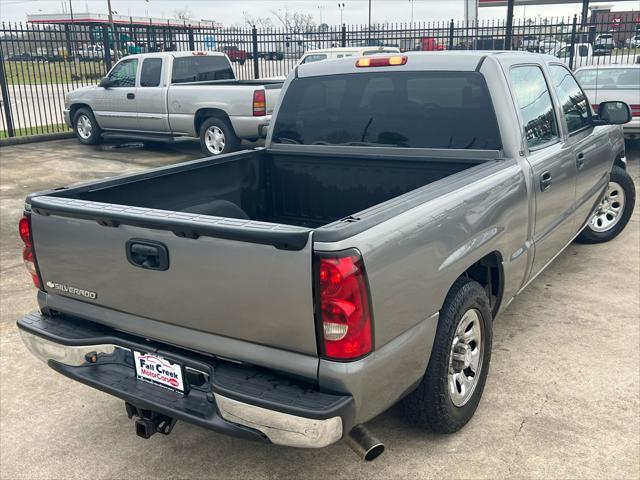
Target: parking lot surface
{"type": "Point", "coordinates": [561, 400]}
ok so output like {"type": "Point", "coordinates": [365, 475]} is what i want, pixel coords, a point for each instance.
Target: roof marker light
{"type": "Point", "coordinates": [381, 61]}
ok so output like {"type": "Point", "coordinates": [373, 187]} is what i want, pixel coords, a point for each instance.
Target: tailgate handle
{"type": "Point", "coordinates": [147, 254]}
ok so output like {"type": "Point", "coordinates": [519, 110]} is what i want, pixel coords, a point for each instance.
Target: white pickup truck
{"type": "Point", "coordinates": [173, 95]}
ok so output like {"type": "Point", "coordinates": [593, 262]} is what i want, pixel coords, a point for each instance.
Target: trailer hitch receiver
{"type": "Point", "coordinates": [149, 422]}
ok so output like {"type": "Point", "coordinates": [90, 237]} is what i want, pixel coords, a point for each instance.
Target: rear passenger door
{"type": "Point", "coordinates": [551, 161]}
{"type": "Point", "coordinates": [590, 148]}
{"type": "Point", "coordinates": [151, 99]}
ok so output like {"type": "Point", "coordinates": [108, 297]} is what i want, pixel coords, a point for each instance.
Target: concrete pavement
{"type": "Point", "coordinates": [561, 400]}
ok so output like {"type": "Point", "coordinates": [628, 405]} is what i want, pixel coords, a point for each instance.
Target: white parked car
{"type": "Point", "coordinates": [583, 54]}
{"type": "Point", "coordinates": [603, 83]}
{"type": "Point", "coordinates": [633, 42]}
{"type": "Point", "coordinates": [340, 52]}
{"type": "Point", "coordinates": [530, 44]}
{"type": "Point", "coordinates": [549, 45]}
{"type": "Point", "coordinates": [93, 52]}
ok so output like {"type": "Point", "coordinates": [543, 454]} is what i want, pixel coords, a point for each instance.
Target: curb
{"type": "Point", "coordinates": [6, 142]}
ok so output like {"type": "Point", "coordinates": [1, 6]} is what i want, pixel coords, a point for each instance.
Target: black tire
{"type": "Point", "coordinates": [430, 405]}
{"type": "Point", "coordinates": [96, 132]}
{"type": "Point", "coordinates": [620, 176]}
{"type": "Point", "coordinates": [231, 141]}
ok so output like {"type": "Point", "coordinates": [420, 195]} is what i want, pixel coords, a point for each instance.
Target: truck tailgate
{"type": "Point", "coordinates": [248, 291]}
{"type": "Point", "coordinates": [272, 93]}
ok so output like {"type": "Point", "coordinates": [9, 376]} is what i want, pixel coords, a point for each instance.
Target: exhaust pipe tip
{"type": "Point", "coordinates": [364, 444]}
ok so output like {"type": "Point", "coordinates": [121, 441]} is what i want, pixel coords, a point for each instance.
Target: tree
{"type": "Point", "coordinates": [183, 14]}
{"type": "Point", "coordinates": [294, 21]}
{"type": "Point", "coordinates": [261, 22]}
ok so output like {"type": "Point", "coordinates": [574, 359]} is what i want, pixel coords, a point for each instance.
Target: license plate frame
{"type": "Point", "coordinates": [158, 370]}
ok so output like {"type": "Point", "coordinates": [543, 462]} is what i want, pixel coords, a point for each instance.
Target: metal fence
{"type": "Point", "coordinates": [39, 63]}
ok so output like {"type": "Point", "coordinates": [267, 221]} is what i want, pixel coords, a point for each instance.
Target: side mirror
{"type": "Point", "coordinates": [614, 113]}
{"type": "Point", "coordinates": [105, 82]}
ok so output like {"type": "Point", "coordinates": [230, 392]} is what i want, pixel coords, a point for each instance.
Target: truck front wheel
{"type": "Point", "coordinates": [217, 137]}
{"type": "Point", "coordinates": [85, 127]}
{"type": "Point", "coordinates": [614, 211]}
{"type": "Point", "coordinates": [449, 393]}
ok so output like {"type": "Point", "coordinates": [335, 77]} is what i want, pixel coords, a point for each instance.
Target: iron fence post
{"type": "Point", "coordinates": [6, 106]}
{"type": "Point", "coordinates": [256, 63]}
{"type": "Point", "coordinates": [192, 44]}
{"type": "Point", "coordinates": [107, 47]}
{"type": "Point", "coordinates": [451, 31]}
{"type": "Point", "coordinates": [343, 38]}
{"type": "Point", "coordinates": [572, 48]}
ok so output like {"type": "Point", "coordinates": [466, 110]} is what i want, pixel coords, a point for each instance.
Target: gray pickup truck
{"type": "Point", "coordinates": [174, 95]}
{"type": "Point", "coordinates": [290, 294]}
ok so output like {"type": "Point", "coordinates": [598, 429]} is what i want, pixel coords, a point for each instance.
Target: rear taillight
{"type": "Point", "coordinates": [343, 308]}
{"type": "Point", "coordinates": [28, 256]}
{"type": "Point", "coordinates": [259, 103]}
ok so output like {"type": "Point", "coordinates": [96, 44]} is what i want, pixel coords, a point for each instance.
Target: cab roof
{"type": "Point", "coordinates": [451, 60]}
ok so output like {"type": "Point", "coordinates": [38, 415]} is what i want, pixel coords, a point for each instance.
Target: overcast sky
{"type": "Point", "coordinates": [230, 12]}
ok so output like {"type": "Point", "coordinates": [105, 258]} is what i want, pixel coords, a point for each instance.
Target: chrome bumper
{"type": "Point", "coordinates": [280, 428]}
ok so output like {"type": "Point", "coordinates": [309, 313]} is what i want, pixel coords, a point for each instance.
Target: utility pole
{"type": "Point", "coordinates": [116, 49]}
{"type": "Point", "coordinates": [585, 12]}
{"type": "Point", "coordinates": [72, 42]}
{"type": "Point", "coordinates": [509, 26]}
{"type": "Point", "coordinates": [369, 40]}
{"type": "Point", "coordinates": [341, 8]}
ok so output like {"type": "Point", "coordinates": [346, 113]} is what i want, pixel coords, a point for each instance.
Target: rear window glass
{"type": "Point", "coordinates": [450, 110]}
{"type": "Point", "coordinates": [200, 68]}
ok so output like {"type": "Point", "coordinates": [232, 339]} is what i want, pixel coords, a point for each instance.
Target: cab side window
{"type": "Point", "coordinates": [124, 73]}
{"type": "Point", "coordinates": [535, 104]}
{"type": "Point", "coordinates": [150, 72]}
{"type": "Point", "coordinates": [575, 105]}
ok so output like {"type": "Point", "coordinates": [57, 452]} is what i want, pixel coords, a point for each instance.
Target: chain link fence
{"type": "Point", "coordinates": [40, 63]}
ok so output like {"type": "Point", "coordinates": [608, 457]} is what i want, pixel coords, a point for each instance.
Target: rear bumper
{"type": "Point", "coordinates": [241, 401]}
{"type": "Point", "coordinates": [250, 127]}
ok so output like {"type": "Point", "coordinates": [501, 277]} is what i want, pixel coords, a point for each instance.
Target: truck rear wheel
{"type": "Point", "coordinates": [85, 127]}
{"type": "Point", "coordinates": [613, 212]}
{"type": "Point", "coordinates": [217, 137]}
{"type": "Point", "coordinates": [449, 393]}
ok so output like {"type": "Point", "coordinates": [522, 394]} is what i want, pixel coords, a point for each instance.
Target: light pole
{"type": "Point", "coordinates": [412, 2]}
{"type": "Point", "coordinates": [320, 7]}
{"type": "Point", "coordinates": [341, 8]}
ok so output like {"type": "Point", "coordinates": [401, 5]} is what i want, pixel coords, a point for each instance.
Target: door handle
{"type": "Point", "coordinates": [147, 254]}
{"type": "Point", "coordinates": [545, 181]}
{"type": "Point", "coordinates": [580, 160]}
{"type": "Point", "coordinates": [131, 96]}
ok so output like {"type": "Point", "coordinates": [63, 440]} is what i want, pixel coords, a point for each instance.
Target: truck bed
{"type": "Point", "coordinates": [218, 220]}
{"type": "Point", "coordinates": [304, 191]}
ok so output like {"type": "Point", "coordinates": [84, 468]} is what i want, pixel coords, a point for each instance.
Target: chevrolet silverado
{"type": "Point", "coordinates": [289, 294]}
